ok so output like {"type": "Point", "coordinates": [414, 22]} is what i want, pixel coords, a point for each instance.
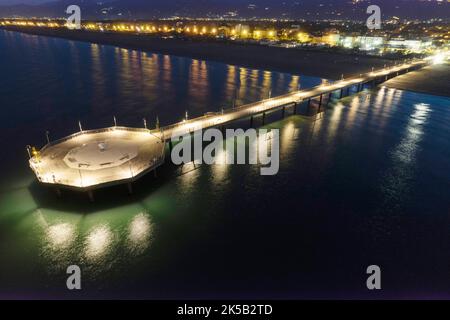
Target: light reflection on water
{"type": "Point", "coordinates": [397, 180]}
{"type": "Point", "coordinates": [288, 136]}
{"type": "Point", "coordinates": [140, 233]}
{"type": "Point", "coordinates": [98, 242]}
{"type": "Point", "coordinates": [60, 236]}
{"type": "Point", "coordinates": [65, 240]}
{"type": "Point", "coordinates": [406, 151]}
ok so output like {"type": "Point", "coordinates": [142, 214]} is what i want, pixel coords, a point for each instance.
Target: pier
{"type": "Point", "coordinates": [93, 159]}
{"type": "Point", "coordinates": [321, 93]}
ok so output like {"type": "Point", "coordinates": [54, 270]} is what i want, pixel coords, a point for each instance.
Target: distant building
{"type": "Point", "coordinates": [348, 42]}
{"type": "Point", "coordinates": [364, 43]}
{"type": "Point", "coordinates": [414, 46]}
{"type": "Point", "coordinates": [331, 40]}
{"type": "Point", "coordinates": [242, 30]}
{"type": "Point", "coordinates": [370, 43]}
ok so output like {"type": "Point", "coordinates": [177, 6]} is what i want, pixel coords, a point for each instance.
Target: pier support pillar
{"type": "Point", "coordinates": [170, 145]}
{"type": "Point", "coordinates": [295, 107]}
{"type": "Point", "coordinates": [251, 122]}
{"type": "Point", "coordinates": [91, 196]}
{"type": "Point", "coordinates": [130, 188]}
{"type": "Point", "coordinates": [348, 91]}
{"type": "Point", "coordinates": [283, 112]}
{"type": "Point", "coordinates": [264, 118]}
{"type": "Point", "coordinates": [341, 94]}
{"type": "Point", "coordinates": [329, 97]}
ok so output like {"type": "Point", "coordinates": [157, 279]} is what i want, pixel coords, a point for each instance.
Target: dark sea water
{"type": "Point", "coordinates": [367, 184]}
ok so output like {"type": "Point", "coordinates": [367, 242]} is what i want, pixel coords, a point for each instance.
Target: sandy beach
{"type": "Point", "coordinates": [295, 61]}
{"type": "Point", "coordinates": [433, 79]}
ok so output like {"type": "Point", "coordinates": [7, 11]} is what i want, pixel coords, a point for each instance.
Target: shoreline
{"type": "Point", "coordinates": [433, 80]}
{"type": "Point", "coordinates": [313, 63]}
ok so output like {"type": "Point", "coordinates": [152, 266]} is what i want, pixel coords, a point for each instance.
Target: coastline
{"type": "Point", "coordinates": [434, 80]}
{"type": "Point", "coordinates": [327, 65]}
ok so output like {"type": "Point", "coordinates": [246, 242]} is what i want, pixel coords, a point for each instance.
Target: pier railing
{"type": "Point", "coordinates": [149, 158]}
{"type": "Point", "coordinates": [94, 131]}
{"type": "Point", "coordinates": [214, 118]}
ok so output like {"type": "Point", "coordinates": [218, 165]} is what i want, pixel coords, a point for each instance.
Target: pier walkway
{"type": "Point", "coordinates": [322, 93]}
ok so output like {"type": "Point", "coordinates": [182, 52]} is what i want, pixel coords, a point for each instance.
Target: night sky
{"type": "Point", "coordinates": [265, 2]}
{"type": "Point", "coordinates": [307, 9]}
{"type": "Point", "coordinates": [9, 2]}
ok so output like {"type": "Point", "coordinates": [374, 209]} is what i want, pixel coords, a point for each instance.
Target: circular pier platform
{"type": "Point", "coordinates": [93, 159]}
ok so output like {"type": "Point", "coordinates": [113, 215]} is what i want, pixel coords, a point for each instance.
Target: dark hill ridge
{"type": "Point", "coordinates": [292, 9]}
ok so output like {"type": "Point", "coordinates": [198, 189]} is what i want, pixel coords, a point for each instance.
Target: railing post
{"type": "Point", "coordinates": [29, 151]}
